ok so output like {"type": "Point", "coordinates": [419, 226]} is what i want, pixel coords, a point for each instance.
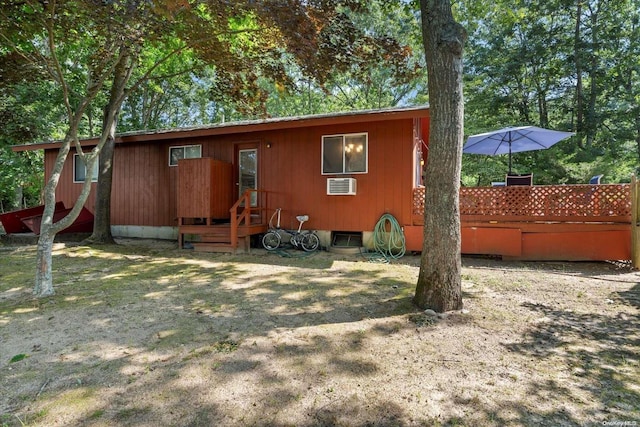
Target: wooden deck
{"type": "Point", "coordinates": [205, 234]}
{"type": "Point", "coordinates": [208, 218]}
{"type": "Point", "coordinates": [546, 222]}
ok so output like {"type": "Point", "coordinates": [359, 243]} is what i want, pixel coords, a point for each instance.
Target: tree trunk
{"type": "Point", "coordinates": [44, 274]}
{"type": "Point", "coordinates": [48, 229]}
{"type": "Point", "coordinates": [102, 215]}
{"type": "Point", "coordinates": [637, 122]}
{"type": "Point", "coordinates": [44, 271]}
{"type": "Point", "coordinates": [75, 115]}
{"type": "Point", "coordinates": [577, 51]}
{"type": "Point", "coordinates": [591, 118]}
{"type": "Point", "coordinates": [439, 280]}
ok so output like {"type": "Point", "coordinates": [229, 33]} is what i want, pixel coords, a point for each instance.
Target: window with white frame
{"type": "Point", "coordinates": [184, 152]}
{"type": "Point", "coordinates": [80, 170]}
{"type": "Point", "coordinates": [344, 154]}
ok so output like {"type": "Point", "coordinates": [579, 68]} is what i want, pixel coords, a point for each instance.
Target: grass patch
{"type": "Point", "coordinates": [96, 414]}
{"type": "Point", "coordinates": [422, 319]}
{"type": "Point", "coordinates": [130, 414]}
{"type": "Point", "coordinates": [225, 346]}
{"type": "Point", "coordinates": [6, 420]}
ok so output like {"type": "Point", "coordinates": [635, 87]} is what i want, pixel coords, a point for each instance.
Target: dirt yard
{"type": "Point", "coordinates": [143, 334]}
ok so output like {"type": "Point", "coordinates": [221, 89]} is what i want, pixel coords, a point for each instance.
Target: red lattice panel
{"type": "Point", "coordinates": [418, 201]}
{"type": "Point", "coordinates": [607, 202]}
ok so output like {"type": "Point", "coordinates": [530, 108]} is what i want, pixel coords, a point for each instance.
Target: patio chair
{"type": "Point", "coordinates": [526, 179]}
{"type": "Point", "coordinates": [596, 179]}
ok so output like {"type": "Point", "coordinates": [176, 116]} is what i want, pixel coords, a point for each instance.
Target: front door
{"type": "Point", "coordinates": [247, 156]}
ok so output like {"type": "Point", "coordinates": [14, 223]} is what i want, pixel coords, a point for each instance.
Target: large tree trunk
{"type": "Point", "coordinates": [102, 212]}
{"type": "Point", "coordinates": [439, 280]}
{"type": "Point", "coordinates": [48, 230]}
{"type": "Point", "coordinates": [102, 215]}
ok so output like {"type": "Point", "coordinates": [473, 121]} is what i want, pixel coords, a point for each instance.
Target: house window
{"type": "Point", "coordinates": [184, 152]}
{"type": "Point", "coordinates": [344, 154]}
{"type": "Point", "coordinates": [80, 170]}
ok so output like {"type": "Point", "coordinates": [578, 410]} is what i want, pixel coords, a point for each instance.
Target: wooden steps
{"type": "Point", "coordinates": [203, 231]}
{"type": "Point", "coordinates": [217, 237]}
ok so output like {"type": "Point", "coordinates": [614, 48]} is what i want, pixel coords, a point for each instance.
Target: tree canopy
{"type": "Point", "coordinates": [570, 66]}
{"type": "Point", "coordinates": [557, 64]}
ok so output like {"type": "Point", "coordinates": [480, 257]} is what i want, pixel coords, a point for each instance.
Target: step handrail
{"type": "Point", "coordinates": [245, 215]}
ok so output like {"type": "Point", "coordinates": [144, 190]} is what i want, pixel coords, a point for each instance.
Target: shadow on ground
{"type": "Point", "coordinates": [147, 337]}
{"type": "Point", "coordinates": [138, 337]}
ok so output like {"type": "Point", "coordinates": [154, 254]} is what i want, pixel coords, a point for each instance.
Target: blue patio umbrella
{"type": "Point", "coordinates": [513, 140]}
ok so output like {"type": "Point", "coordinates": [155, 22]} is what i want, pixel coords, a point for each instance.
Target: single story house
{"type": "Point", "coordinates": [343, 170]}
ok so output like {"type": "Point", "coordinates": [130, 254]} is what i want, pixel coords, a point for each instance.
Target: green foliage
{"type": "Point", "coordinates": [360, 58]}
{"type": "Point", "coordinates": [522, 60]}
{"type": "Point", "coordinates": [18, 358]}
{"type": "Point", "coordinates": [220, 61]}
{"type": "Point", "coordinates": [387, 68]}
{"type": "Point", "coordinates": [25, 113]}
{"type": "Point", "coordinates": [21, 176]}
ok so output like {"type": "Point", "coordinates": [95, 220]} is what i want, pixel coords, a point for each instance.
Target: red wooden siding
{"type": "Point", "coordinates": [204, 188]}
{"type": "Point", "coordinates": [291, 172]}
{"type": "Point", "coordinates": [143, 191]}
{"type": "Point", "coordinates": [145, 186]}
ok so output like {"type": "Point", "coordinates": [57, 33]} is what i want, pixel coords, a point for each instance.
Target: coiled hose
{"type": "Point", "coordinates": [388, 238]}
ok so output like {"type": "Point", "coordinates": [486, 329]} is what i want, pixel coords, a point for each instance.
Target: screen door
{"type": "Point", "coordinates": [248, 173]}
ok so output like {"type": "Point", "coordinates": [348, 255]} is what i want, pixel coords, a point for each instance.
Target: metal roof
{"type": "Point", "coordinates": [245, 126]}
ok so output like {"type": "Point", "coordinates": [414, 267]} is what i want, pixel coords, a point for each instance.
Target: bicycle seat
{"type": "Point", "coordinates": [302, 218]}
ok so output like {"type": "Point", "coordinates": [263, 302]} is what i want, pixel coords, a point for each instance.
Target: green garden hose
{"type": "Point", "coordinates": [388, 237]}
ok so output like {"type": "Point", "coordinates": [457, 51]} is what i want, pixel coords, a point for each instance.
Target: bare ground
{"type": "Point", "coordinates": [143, 334]}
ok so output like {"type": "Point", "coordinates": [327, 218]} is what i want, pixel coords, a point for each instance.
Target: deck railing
{"type": "Point", "coordinates": [242, 212]}
{"type": "Point", "coordinates": [546, 203]}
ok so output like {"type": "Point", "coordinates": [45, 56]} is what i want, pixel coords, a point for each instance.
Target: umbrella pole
{"type": "Point", "coordinates": [509, 158]}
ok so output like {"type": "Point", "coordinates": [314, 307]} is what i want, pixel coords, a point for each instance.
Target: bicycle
{"type": "Point", "coordinates": [303, 239]}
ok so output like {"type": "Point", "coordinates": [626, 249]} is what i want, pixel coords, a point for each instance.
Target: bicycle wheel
{"type": "Point", "coordinates": [310, 242]}
{"type": "Point", "coordinates": [271, 240]}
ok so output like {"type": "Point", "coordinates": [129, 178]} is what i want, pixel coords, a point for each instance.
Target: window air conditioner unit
{"type": "Point", "coordinates": [341, 186]}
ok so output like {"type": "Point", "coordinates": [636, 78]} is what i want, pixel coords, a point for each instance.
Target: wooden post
{"type": "Point", "coordinates": [233, 232]}
{"type": "Point", "coordinates": [635, 224]}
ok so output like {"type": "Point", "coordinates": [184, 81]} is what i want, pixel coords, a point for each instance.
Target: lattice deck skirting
{"type": "Point", "coordinates": [540, 203]}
